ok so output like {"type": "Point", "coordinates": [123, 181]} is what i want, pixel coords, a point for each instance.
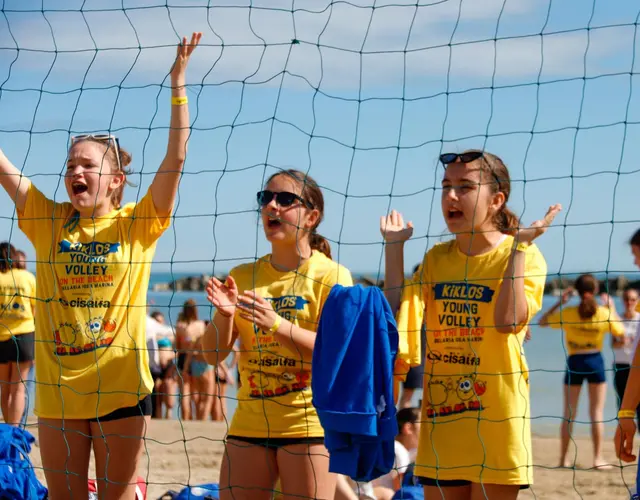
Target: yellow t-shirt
{"type": "Point", "coordinates": [585, 334]}
{"type": "Point", "coordinates": [17, 303]}
{"type": "Point", "coordinates": [275, 397]}
{"type": "Point", "coordinates": [475, 411]}
{"type": "Point", "coordinates": [92, 279]}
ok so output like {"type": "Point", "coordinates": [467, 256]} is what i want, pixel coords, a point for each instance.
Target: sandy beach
{"type": "Point", "coordinates": [180, 453]}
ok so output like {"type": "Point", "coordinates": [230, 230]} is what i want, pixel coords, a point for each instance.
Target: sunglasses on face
{"type": "Point", "coordinates": [283, 198]}
{"type": "Point", "coordinates": [106, 138]}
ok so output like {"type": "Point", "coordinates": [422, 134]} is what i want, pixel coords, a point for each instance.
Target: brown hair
{"type": "Point", "coordinates": [125, 160]}
{"type": "Point", "coordinates": [635, 239]}
{"type": "Point", "coordinates": [312, 194]}
{"type": "Point", "coordinates": [505, 220]}
{"type": "Point", "coordinates": [587, 286]}
{"type": "Point", "coordinates": [189, 311]}
{"type": "Point", "coordinates": [8, 256]}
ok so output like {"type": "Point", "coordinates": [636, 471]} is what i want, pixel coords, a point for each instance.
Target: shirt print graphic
{"type": "Point", "coordinates": [85, 278]}
{"type": "Point", "coordinates": [461, 308]}
{"type": "Point", "coordinates": [272, 374]}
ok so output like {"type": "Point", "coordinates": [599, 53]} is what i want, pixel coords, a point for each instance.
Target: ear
{"type": "Point", "coordinates": [313, 215]}
{"type": "Point", "coordinates": [498, 200]}
{"type": "Point", "coordinates": [117, 180]}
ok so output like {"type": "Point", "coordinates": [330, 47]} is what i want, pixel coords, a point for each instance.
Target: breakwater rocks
{"type": "Point", "coordinates": [554, 286]}
{"type": "Point", "coordinates": [197, 283]}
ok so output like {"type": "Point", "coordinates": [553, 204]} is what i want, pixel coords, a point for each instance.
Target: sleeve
{"type": "Point", "coordinates": [535, 277]}
{"type": "Point", "coordinates": [32, 292]}
{"type": "Point", "coordinates": [339, 275]}
{"type": "Point", "coordinates": [403, 459]}
{"type": "Point", "coordinates": [615, 326]}
{"type": "Point", "coordinates": [554, 320]}
{"type": "Point", "coordinates": [147, 226]}
{"type": "Point", "coordinates": [409, 320]}
{"type": "Point", "coordinates": [38, 210]}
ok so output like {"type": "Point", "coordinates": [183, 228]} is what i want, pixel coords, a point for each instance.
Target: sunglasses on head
{"type": "Point", "coordinates": [283, 198]}
{"type": "Point", "coordinates": [448, 158]}
{"type": "Point", "coordinates": [100, 138]}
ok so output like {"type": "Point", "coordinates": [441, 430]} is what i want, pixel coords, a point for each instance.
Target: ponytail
{"type": "Point", "coordinates": [320, 243]}
{"type": "Point", "coordinates": [588, 306]}
{"type": "Point", "coordinates": [587, 287]}
{"type": "Point", "coordinates": [506, 221]}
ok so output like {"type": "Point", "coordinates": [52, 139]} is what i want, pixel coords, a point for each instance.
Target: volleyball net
{"type": "Point", "coordinates": [363, 96]}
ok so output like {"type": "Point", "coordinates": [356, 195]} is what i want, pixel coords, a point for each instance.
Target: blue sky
{"type": "Point", "coordinates": [366, 102]}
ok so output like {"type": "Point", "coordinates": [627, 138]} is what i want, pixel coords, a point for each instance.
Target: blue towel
{"type": "Point", "coordinates": [17, 478]}
{"type": "Point", "coordinates": [352, 381]}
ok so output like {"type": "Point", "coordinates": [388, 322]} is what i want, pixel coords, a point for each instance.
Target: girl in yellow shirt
{"type": "Point", "coordinates": [17, 306]}
{"type": "Point", "coordinates": [273, 307]}
{"type": "Point", "coordinates": [585, 327]}
{"type": "Point", "coordinates": [93, 381]}
{"type": "Point", "coordinates": [477, 294]}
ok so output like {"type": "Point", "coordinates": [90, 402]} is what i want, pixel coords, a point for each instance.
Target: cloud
{"type": "Point", "coordinates": [342, 45]}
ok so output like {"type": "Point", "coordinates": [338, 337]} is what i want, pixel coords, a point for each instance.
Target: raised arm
{"type": "Point", "coordinates": [512, 310]}
{"type": "Point", "coordinates": [395, 234]}
{"type": "Point", "coordinates": [166, 180]}
{"type": "Point", "coordinates": [544, 319]}
{"type": "Point", "coordinates": [14, 183]}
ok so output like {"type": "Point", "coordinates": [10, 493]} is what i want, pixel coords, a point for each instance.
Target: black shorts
{"type": "Point", "coordinates": [143, 408]}
{"type": "Point", "coordinates": [451, 483]}
{"type": "Point", "coordinates": [17, 349]}
{"type": "Point", "coordinates": [276, 443]}
{"type": "Point", "coordinates": [581, 367]}
{"type": "Point", "coordinates": [414, 378]}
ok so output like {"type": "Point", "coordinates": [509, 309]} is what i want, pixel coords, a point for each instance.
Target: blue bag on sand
{"type": "Point", "coordinates": [17, 478]}
{"type": "Point", "coordinates": [209, 491]}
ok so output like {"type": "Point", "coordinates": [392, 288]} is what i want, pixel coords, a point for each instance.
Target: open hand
{"type": "Point", "coordinates": [223, 296]}
{"type": "Point", "coordinates": [184, 52]}
{"type": "Point", "coordinates": [257, 310]}
{"type": "Point", "coordinates": [528, 234]}
{"type": "Point", "coordinates": [393, 229]}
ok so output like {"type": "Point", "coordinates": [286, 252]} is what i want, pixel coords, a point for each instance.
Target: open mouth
{"type": "Point", "coordinates": [78, 188]}
{"type": "Point", "coordinates": [274, 223]}
{"type": "Point", "coordinates": [454, 214]}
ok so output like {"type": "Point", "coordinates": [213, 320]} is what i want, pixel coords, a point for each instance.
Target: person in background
{"type": "Point", "coordinates": [21, 260]}
{"type": "Point", "coordinates": [188, 328]}
{"type": "Point", "coordinates": [624, 348]}
{"type": "Point", "coordinates": [167, 389]}
{"type": "Point", "coordinates": [273, 306]}
{"type": "Point", "coordinates": [585, 327]}
{"type": "Point", "coordinates": [476, 293]}
{"type": "Point", "coordinates": [17, 326]}
{"type": "Point", "coordinates": [415, 375]}
{"type": "Point", "coordinates": [202, 378]}
{"type": "Point", "coordinates": [406, 448]}
{"type": "Point", "coordinates": [224, 378]}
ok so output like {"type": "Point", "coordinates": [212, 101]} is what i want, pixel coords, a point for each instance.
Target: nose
{"type": "Point", "coordinates": [450, 193]}
{"type": "Point", "coordinates": [272, 204]}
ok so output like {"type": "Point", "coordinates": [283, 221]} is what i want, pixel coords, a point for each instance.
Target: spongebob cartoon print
{"type": "Point", "coordinates": [269, 385]}
{"type": "Point", "coordinates": [452, 395]}
{"type": "Point", "coordinates": [85, 281]}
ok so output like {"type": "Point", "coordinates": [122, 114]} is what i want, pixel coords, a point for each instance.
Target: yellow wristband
{"type": "Point", "coordinates": [626, 414]}
{"type": "Point", "coordinates": [521, 247]}
{"type": "Point", "coordinates": [276, 324]}
{"type": "Point", "coordinates": [179, 101]}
